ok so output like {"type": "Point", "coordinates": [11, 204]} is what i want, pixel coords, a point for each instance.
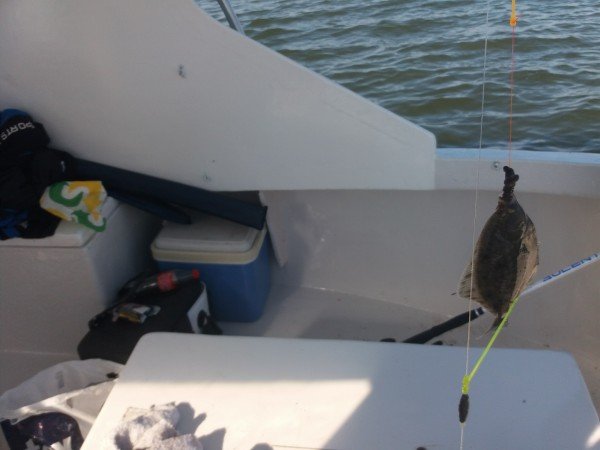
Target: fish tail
{"type": "Point", "coordinates": [510, 181]}
{"type": "Point", "coordinates": [497, 322]}
{"type": "Point", "coordinates": [495, 325]}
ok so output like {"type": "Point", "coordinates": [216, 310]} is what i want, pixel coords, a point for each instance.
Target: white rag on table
{"type": "Point", "coordinates": [150, 429]}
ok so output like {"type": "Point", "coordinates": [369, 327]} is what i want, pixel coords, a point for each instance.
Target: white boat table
{"type": "Point", "coordinates": [271, 393]}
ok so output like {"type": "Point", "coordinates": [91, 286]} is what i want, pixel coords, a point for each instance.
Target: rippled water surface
{"type": "Point", "coordinates": [423, 60]}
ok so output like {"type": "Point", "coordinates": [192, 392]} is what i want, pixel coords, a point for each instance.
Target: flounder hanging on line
{"type": "Point", "coordinates": [505, 257]}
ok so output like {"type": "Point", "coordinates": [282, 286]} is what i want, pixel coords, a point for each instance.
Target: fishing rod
{"type": "Point", "coordinates": [462, 319]}
{"type": "Point", "coordinates": [463, 406]}
{"type": "Point", "coordinates": [562, 273]}
{"type": "Point", "coordinates": [451, 324]}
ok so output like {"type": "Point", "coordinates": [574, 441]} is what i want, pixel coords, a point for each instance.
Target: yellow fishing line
{"type": "Point", "coordinates": [466, 381]}
{"type": "Point", "coordinates": [513, 14]}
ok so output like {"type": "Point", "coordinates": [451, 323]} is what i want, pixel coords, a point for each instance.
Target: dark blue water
{"type": "Point", "coordinates": [423, 60]}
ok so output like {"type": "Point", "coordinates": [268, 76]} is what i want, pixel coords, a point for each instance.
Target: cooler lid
{"type": "Point", "coordinates": [207, 234]}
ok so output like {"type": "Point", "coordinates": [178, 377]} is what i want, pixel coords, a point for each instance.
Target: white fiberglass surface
{"type": "Point", "coordinates": [172, 93]}
{"type": "Point", "coordinates": [265, 393]}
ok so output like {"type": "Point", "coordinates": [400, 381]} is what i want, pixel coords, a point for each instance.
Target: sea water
{"type": "Point", "coordinates": [423, 60]}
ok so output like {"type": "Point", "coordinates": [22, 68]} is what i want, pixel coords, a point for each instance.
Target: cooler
{"type": "Point", "coordinates": [233, 261]}
{"type": "Point", "coordinates": [49, 288]}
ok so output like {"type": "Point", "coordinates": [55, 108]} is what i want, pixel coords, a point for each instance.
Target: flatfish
{"type": "Point", "coordinates": [505, 257]}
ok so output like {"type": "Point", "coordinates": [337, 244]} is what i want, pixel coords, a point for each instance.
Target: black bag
{"type": "Point", "coordinates": [115, 340]}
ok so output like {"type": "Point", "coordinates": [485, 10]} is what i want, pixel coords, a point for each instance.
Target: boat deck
{"type": "Point", "coordinates": [321, 314]}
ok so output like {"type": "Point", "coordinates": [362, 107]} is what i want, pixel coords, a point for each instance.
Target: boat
{"type": "Point", "coordinates": [370, 223]}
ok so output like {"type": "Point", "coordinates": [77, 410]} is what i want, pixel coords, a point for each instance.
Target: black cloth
{"type": "Point", "coordinates": [49, 166]}
{"type": "Point", "coordinates": [27, 167]}
{"type": "Point", "coordinates": [16, 190]}
{"type": "Point", "coordinates": [19, 137]}
{"type": "Point", "coordinates": [34, 223]}
{"type": "Point", "coordinates": [39, 224]}
{"type": "Point", "coordinates": [22, 186]}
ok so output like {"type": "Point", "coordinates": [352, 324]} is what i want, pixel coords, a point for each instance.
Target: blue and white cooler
{"type": "Point", "coordinates": [233, 261]}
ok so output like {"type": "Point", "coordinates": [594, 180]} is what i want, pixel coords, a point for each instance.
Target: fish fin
{"type": "Point", "coordinates": [528, 259]}
{"type": "Point", "coordinates": [467, 287]}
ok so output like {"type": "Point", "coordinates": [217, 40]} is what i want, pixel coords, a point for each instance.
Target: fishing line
{"type": "Point", "coordinates": [464, 400]}
{"type": "Point", "coordinates": [513, 24]}
{"type": "Point", "coordinates": [469, 307]}
{"type": "Point", "coordinates": [485, 46]}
